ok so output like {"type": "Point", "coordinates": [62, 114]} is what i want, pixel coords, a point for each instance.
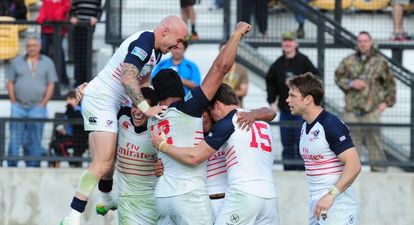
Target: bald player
{"type": "Point", "coordinates": [118, 82]}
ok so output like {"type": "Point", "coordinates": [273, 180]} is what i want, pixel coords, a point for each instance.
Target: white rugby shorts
{"type": "Point", "coordinates": [343, 211]}
{"type": "Point", "coordinates": [244, 209]}
{"type": "Point", "coordinates": [133, 210]}
{"type": "Point", "coordinates": [99, 114]}
{"type": "Point", "coordinates": [192, 208]}
{"type": "Point", "coordinates": [216, 205]}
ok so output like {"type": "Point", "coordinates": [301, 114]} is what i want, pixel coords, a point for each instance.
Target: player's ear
{"type": "Point", "coordinates": [308, 99]}
{"type": "Point", "coordinates": [218, 105]}
{"type": "Point", "coordinates": [165, 31]}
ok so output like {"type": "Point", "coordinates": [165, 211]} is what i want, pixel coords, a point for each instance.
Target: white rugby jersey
{"type": "Point", "coordinates": [135, 158]}
{"type": "Point", "coordinates": [320, 144]}
{"type": "Point", "coordinates": [138, 50]}
{"type": "Point", "coordinates": [249, 155]}
{"type": "Point", "coordinates": [183, 127]}
{"type": "Point", "coordinates": [217, 173]}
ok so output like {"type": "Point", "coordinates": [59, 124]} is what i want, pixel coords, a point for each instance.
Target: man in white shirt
{"type": "Point", "coordinates": [135, 166]}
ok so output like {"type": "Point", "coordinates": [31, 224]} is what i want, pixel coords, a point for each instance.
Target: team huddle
{"type": "Point", "coordinates": [213, 160]}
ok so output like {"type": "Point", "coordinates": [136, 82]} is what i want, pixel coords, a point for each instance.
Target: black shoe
{"type": "Point", "coordinates": [300, 33]}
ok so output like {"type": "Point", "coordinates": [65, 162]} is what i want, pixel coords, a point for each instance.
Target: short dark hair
{"type": "Point", "coordinates": [150, 95]}
{"type": "Point", "coordinates": [167, 84]}
{"type": "Point", "coordinates": [71, 94]}
{"type": "Point", "coordinates": [226, 95]}
{"type": "Point", "coordinates": [308, 84]}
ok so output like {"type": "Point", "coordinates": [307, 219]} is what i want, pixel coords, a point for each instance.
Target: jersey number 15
{"type": "Point", "coordinates": [264, 139]}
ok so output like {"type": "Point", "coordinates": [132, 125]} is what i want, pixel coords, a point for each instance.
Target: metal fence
{"type": "Point", "coordinates": [396, 135]}
{"type": "Point", "coordinates": [60, 50]}
{"type": "Point", "coordinates": [57, 142]}
{"type": "Point", "coordinates": [213, 25]}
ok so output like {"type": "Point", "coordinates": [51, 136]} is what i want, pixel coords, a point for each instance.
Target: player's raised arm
{"type": "Point", "coordinates": [224, 61]}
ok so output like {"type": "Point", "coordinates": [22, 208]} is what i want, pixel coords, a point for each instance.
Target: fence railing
{"type": "Point", "coordinates": [56, 50]}
{"type": "Point", "coordinates": [397, 134]}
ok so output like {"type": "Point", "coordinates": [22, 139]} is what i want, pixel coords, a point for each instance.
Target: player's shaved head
{"type": "Point", "coordinates": [170, 34]}
{"type": "Point", "coordinates": [175, 23]}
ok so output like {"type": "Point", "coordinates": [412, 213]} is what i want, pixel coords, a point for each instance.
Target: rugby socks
{"type": "Point", "coordinates": [105, 185]}
{"type": "Point", "coordinates": [78, 206]}
{"type": "Point", "coordinates": [193, 31]}
{"type": "Point", "coordinates": [87, 183]}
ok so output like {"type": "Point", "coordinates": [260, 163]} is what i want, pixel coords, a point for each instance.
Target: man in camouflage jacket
{"type": "Point", "coordinates": [369, 88]}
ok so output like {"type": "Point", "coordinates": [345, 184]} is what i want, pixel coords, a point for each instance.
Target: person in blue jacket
{"type": "Point", "coordinates": [188, 70]}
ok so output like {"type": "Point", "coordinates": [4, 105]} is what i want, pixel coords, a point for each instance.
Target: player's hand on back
{"type": "Point", "coordinates": [245, 120]}
{"type": "Point", "coordinates": [159, 168]}
{"type": "Point", "coordinates": [243, 28]}
{"type": "Point", "coordinates": [157, 136]}
{"type": "Point", "coordinates": [79, 91]}
{"type": "Point", "coordinates": [156, 111]}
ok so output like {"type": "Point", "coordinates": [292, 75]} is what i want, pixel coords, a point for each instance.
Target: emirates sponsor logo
{"type": "Point", "coordinates": [305, 155]}
{"type": "Point", "coordinates": [135, 154]}
{"type": "Point", "coordinates": [312, 157]}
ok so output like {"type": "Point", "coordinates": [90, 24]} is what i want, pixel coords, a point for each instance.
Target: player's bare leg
{"type": "Point", "coordinates": [102, 146]}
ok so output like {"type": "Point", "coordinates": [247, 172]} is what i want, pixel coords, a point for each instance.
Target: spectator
{"type": "Point", "coordinates": [237, 78]}
{"type": "Point", "coordinates": [54, 11]}
{"type": "Point", "coordinates": [188, 70]}
{"type": "Point", "coordinates": [300, 32]}
{"type": "Point", "coordinates": [398, 20]}
{"type": "Point", "coordinates": [244, 10]}
{"type": "Point", "coordinates": [188, 13]}
{"type": "Point", "coordinates": [13, 8]}
{"type": "Point", "coordinates": [30, 85]}
{"type": "Point", "coordinates": [218, 4]}
{"type": "Point", "coordinates": [84, 16]}
{"type": "Point", "coordinates": [5, 8]}
{"type": "Point", "coordinates": [369, 88]}
{"type": "Point", "coordinates": [291, 63]}
{"type": "Point", "coordinates": [272, 4]}
{"type": "Point", "coordinates": [70, 135]}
